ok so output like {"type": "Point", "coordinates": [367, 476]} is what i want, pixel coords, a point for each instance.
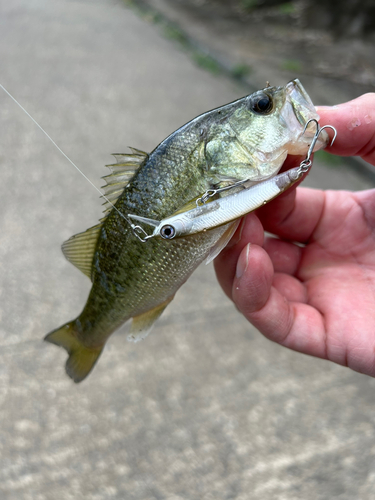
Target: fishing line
{"type": "Point", "coordinates": [67, 157]}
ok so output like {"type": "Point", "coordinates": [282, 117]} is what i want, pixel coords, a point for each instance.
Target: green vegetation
{"type": "Point", "coordinates": [284, 8]}
{"type": "Point", "coordinates": [177, 35]}
{"type": "Point", "coordinates": [241, 71]}
{"type": "Point", "coordinates": [207, 62]}
{"type": "Point", "coordinates": [174, 33]}
{"type": "Point", "coordinates": [249, 4]}
{"type": "Point", "coordinates": [287, 8]}
{"type": "Point", "coordinates": [291, 65]}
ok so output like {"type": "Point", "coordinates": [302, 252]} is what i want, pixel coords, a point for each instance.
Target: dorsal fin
{"type": "Point", "coordinates": [122, 172]}
{"type": "Point", "coordinates": [80, 248]}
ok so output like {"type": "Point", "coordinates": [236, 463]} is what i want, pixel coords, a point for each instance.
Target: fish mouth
{"type": "Point", "coordinates": [297, 111]}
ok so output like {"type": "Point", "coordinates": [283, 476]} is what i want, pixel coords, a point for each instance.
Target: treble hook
{"type": "Point", "coordinates": [306, 163]}
{"type": "Point", "coordinates": [317, 134]}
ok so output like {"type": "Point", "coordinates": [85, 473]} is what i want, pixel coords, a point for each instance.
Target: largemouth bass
{"type": "Point", "coordinates": [246, 139]}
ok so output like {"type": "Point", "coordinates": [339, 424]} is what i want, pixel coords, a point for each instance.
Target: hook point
{"type": "Point", "coordinates": [334, 133]}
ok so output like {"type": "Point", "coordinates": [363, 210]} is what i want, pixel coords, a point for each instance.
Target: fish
{"type": "Point", "coordinates": [136, 278]}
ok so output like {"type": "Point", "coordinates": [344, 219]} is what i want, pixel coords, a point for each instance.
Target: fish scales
{"type": "Point", "coordinates": [152, 271]}
{"type": "Point", "coordinates": [246, 139]}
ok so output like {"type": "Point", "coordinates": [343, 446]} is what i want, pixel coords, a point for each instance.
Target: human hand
{"type": "Point", "coordinates": [312, 289]}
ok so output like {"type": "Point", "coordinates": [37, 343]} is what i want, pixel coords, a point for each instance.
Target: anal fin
{"type": "Point", "coordinates": [142, 324]}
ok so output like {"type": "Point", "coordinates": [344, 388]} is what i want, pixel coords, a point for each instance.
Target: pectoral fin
{"type": "Point", "coordinates": [142, 324]}
{"type": "Point", "coordinates": [223, 241]}
{"type": "Point", "coordinates": [80, 249]}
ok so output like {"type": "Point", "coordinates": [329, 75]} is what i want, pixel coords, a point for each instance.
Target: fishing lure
{"type": "Point", "coordinates": [206, 216]}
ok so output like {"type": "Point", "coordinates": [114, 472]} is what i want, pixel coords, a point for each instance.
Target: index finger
{"type": "Point", "coordinates": [355, 125]}
{"type": "Point", "coordinates": [296, 214]}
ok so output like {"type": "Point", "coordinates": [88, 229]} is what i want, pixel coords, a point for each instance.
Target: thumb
{"type": "Point", "coordinates": [253, 280]}
{"type": "Point", "coordinates": [257, 299]}
{"type": "Point", "coordinates": [296, 325]}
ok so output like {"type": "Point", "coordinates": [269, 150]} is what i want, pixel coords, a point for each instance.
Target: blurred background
{"type": "Point", "coordinates": [205, 408]}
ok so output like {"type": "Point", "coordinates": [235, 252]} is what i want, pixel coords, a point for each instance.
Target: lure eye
{"type": "Point", "coordinates": [261, 103]}
{"type": "Point", "coordinates": [167, 232]}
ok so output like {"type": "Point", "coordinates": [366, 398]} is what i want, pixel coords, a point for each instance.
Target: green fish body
{"type": "Point", "coordinates": [247, 139]}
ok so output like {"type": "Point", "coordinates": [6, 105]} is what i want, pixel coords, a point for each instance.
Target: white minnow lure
{"type": "Point", "coordinates": [229, 208]}
{"type": "Point", "coordinates": [223, 210]}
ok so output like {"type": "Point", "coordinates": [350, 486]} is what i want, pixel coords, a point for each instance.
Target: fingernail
{"type": "Point", "coordinates": [243, 261]}
{"type": "Point", "coordinates": [324, 108]}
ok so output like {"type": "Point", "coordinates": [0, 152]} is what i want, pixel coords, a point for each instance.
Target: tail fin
{"type": "Point", "coordinates": [81, 359]}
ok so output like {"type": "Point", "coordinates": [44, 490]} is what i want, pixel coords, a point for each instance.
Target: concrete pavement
{"type": "Point", "coordinates": [205, 408]}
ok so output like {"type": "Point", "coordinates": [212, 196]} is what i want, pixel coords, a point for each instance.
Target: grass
{"type": "Point", "coordinates": [287, 8]}
{"type": "Point", "coordinates": [241, 71]}
{"type": "Point", "coordinates": [291, 65]}
{"type": "Point", "coordinates": [206, 62]}
{"type": "Point", "coordinates": [249, 4]}
{"type": "Point", "coordinates": [174, 33]}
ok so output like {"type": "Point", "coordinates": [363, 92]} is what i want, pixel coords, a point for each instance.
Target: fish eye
{"type": "Point", "coordinates": [261, 103]}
